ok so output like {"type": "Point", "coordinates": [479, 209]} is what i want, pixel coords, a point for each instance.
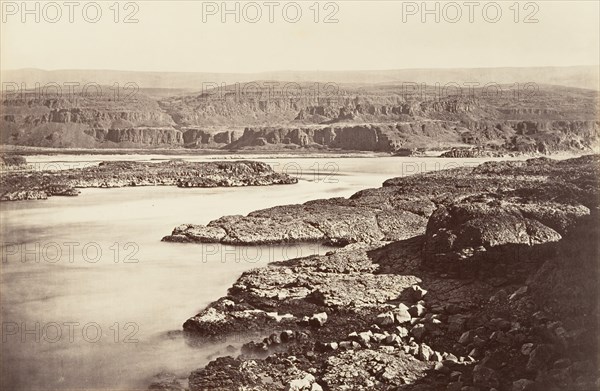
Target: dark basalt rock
{"type": "Point", "coordinates": [543, 194]}
{"type": "Point", "coordinates": [486, 228]}
{"type": "Point", "coordinates": [498, 292]}
{"type": "Point", "coordinates": [42, 184]}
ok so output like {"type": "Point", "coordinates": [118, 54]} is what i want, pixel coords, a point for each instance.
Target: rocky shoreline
{"type": "Point", "coordinates": [468, 279]}
{"type": "Point", "coordinates": [35, 185]}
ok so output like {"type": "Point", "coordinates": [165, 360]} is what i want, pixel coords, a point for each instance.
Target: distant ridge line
{"type": "Point", "coordinates": [580, 76]}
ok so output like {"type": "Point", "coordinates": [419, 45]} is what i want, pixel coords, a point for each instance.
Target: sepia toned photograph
{"type": "Point", "coordinates": [310, 195]}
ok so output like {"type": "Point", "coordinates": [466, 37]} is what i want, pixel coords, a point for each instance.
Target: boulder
{"type": "Point", "coordinates": [385, 319]}
{"type": "Point", "coordinates": [402, 314]}
{"type": "Point", "coordinates": [318, 320]}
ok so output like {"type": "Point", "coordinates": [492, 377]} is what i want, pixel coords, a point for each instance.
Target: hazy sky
{"type": "Point", "coordinates": [172, 36]}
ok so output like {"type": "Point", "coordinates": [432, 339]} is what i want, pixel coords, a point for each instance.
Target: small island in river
{"type": "Point", "coordinates": [41, 184]}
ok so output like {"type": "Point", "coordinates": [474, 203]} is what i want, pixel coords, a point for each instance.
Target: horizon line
{"type": "Point", "coordinates": [300, 71]}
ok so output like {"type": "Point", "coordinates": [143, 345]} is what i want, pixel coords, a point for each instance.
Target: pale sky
{"type": "Point", "coordinates": [369, 35]}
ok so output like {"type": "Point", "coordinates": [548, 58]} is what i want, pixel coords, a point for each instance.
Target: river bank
{"type": "Point", "coordinates": [449, 279]}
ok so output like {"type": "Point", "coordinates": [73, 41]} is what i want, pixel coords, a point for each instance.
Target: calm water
{"type": "Point", "coordinates": [90, 293]}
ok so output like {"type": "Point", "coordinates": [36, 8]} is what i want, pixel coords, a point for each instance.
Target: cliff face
{"type": "Point", "coordinates": [365, 137]}
{"type": "Point", "coordinates": [139, 136]}
{"type": "Point", "coordinates": [352, 109]}
{"type": "Point", "coordinates": [198, 138]}
{"type": "Point", "coordinates": [372, 118]}
{"type": "Point", "coordinates": [93, 116]}
{"type": "Point", "coordinates": [516, 136]}
{"type": "Point", "coordinates": [86, 121]}
{"type": "Point", "coordinates": [259, 110]}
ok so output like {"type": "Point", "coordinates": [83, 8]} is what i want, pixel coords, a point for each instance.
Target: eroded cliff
{"type": "Point", "coordinates": [369, 118]}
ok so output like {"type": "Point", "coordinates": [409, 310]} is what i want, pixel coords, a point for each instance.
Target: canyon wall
{"type": "Point", "coordinates": [377, 118]}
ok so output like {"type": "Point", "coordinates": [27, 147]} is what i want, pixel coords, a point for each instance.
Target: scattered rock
{"type": "Point", "coordinates": [402, 314]}
{"type": "Point", "coordinates": [385, 319]}
{"type": "Point", "coordinates": [318, 320]}
{"type": "Point", "coordinates": [425, 352]}
{"type": "Point", "coordinates": [417, 310]}
{"type": "Point", "coordinates": [304, 384]}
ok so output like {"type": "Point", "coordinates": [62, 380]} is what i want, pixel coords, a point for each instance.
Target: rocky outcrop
{"type": "Point", "coordinates": [398, 210]}
{"type": "Point", "coordinates": [422, 313]}
{"type": "Point", "coordinates": [335, 222]}
{"type": "Point", "coordinates": [42, 184]}
{"type": "Point", "coordinates": [486, 232]}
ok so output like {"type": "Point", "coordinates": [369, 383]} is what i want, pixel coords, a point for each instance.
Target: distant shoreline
{"type": "Point", "coordinates": [255, 154]}
{"type": "Point", "coordinates": [31, 151]}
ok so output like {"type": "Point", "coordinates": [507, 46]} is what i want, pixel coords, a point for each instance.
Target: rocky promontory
{"type": "Point", "coordinates": [28, 185]}
{"type": "Point", "coordinates": [471, 279]}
